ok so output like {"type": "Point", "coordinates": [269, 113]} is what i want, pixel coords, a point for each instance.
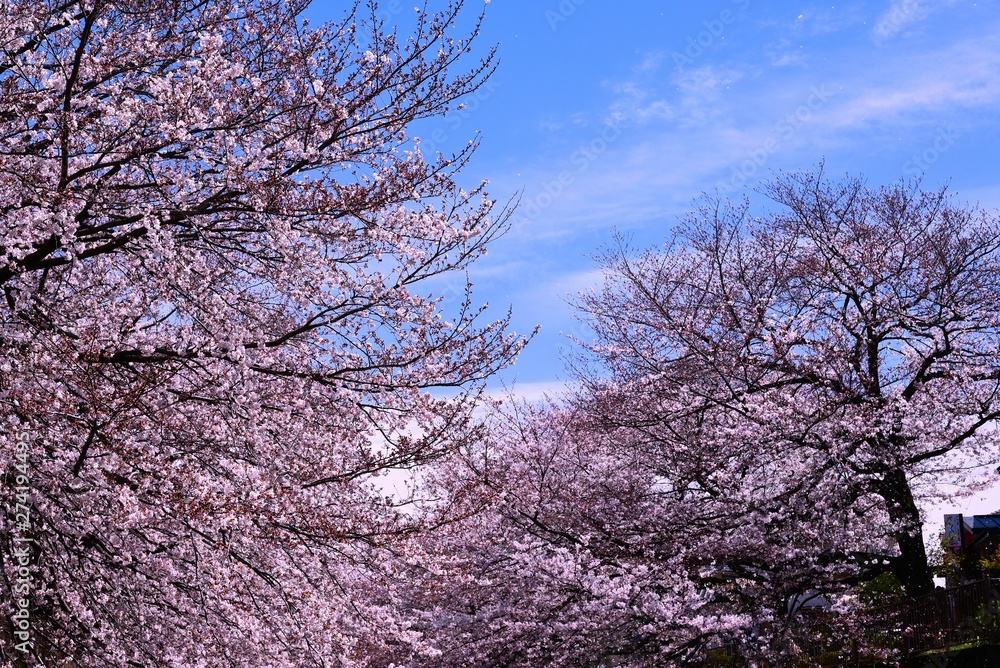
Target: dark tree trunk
{"type": "Point", "coordinates": [911, 566]}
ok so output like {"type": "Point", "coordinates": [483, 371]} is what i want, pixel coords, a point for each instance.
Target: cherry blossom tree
{"type": "Point", "coordinates": [219, 254]}
{"type": "Point", "coordinates": [555, 548]}
{"type": "Point", "coordinates": [844, 351]}
{"type": "Point", "coordinates": [563, 542]}
{"type": "Point", "coordinates": [765, 402]}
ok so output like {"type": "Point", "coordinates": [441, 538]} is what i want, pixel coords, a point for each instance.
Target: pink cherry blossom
{"type": "Point", "coordinates": [218, 258]}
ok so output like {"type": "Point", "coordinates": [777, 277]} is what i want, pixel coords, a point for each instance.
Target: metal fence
{"type": "Point", "coordinates": [944, 620]}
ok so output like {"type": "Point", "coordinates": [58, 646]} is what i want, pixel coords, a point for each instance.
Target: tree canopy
{"type": "Point", "coordinates": [765, 401]}
{"type": "Point", "coordinates": [214, 237]}
{"type": "Point", "coordinates": [234, 298]}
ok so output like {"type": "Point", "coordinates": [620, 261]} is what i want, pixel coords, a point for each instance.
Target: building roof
{"type": "Point", "coordinates": [986, 523]}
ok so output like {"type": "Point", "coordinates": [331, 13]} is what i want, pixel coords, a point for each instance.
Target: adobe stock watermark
{"type": "Point", "coordinates": [562, 13]}
{"type": "Point", "coordinates": [21, 540]}
{"type": "Point", "coordinates": [944, 140]}
{"type": "Point", "coordinates": [384, 13]}
{"type": "Point", "coordinates": [714, 30]}
{"type": "Point", "coordinates": [581, 159]}
{"type": "Point", "coordinates": [455, 119]}
{"type": "Point", "coordinates": [900, 15]}
{"type": "Point", "coordinates": [782, 131]}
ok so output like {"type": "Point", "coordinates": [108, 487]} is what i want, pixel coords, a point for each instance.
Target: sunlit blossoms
{"type": "Point", "coordinates": [214, 240]}
{"type": "Point", "coordinates": [234, 303]}
{"type": "Point", "coordinates": [763, 405]}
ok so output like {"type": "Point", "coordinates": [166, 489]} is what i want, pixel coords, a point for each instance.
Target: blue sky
{"type": "Point", "coordinates": [617, 116]}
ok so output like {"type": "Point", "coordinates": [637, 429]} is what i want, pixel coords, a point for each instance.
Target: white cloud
{"type": "Point", "coordinates": [651, 62]}
{"type": "Point", "coordinates": [531, 392]}
{"type": "Point", "coordinates": [784, 53]}
{"type": "Point", "coordinates": [949, 79]}
{"type": "Point", "coordinates": [901, 14]}
{"type": "Point", "coordinates": [635, 103]}
{"type": "Point", "coordinates": [703, 83]}
{"type": "Point", "coordinates": [827, 20]}
{"type": "Point", "coordinates": [680, 131]}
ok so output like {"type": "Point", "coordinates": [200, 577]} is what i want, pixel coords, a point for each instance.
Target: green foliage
{"type": "Point", "coordinates": [881, 590]}
{"type": "Point", "coordinates": [722, 658]}
{"type": "Point", "coordinates": [991, 564]}
{"type": "Point", "coordinates": [988, 619]}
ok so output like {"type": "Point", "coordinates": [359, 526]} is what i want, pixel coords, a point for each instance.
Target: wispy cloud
{"type": "Point", "coordinates": [825, 20]}
{"type": "Point", "coordinates": [637, 103]}
{"type": "Point", "coordinates": [783, 53]}
{"type": "Point", "coordinates": [962, 76]}
{"type": "Point", "coordinates": [704, 83]}
{"type": "Point", "coordinates": [684, 94]}
{"type": "Point", "coordinates": [902, 14]}
{"type": "Point", "coordinates": [532, 392]}
{"type": "Point", "coordinates": [680, 129]}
